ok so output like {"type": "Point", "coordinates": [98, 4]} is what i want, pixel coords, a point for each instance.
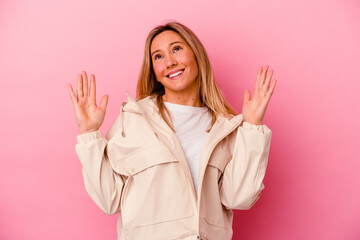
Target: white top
{"type": "Point", "coordinates": [191, 125]}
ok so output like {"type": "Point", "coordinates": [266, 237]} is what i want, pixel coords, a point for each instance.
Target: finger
{"type": "Point", "coordinates": [79, 90]}
{"type": "Point", "coordinates": [267, 81]}
{"type": "Point", "coordinates": [247, 96]}
{"type": "Point", "coordinates": [92, 88]}
{"type": "Point", "coordinates": [271, 89]}
{"type": "Point", "coordinates": [263, 75]}
{"type": "Point", "coordinates": [72, 94]}
{"type": "Point", "coordinates": [85, 84]}
{"type": "Point", "coordinates": [104, 102]}
{"type": "Point", "coordinates": [258, 77]}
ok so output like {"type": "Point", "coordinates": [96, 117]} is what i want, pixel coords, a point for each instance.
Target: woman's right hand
{"type": "Point", "coordinates": [89, 116]}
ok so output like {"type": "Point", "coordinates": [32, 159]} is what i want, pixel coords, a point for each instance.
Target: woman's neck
{"type": "Point", "coordinates": [183, 99]}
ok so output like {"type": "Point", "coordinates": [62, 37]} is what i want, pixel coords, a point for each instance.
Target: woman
{"type": "Point", "coordinates": [178, 159]}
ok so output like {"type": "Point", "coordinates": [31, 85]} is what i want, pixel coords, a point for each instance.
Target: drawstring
{"type": "Point", "coordinates": [122, 122]}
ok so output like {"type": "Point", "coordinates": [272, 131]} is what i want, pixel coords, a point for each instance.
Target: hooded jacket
{"type": "Point", "coordinates": [139, 170]}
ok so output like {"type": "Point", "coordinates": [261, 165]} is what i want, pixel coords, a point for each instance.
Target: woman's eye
{"type": "Point", "coordinates": [177, 48]}
{"type": "Point", "coordinates": [157, 57]}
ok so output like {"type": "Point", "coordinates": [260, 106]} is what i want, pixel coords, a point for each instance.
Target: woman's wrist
{"type": "Point", "coordinates": [87, 131]}
{"type": "Point", "coordinates": [254, 122]}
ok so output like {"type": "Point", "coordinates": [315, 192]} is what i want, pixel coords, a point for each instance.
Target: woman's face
{"type": "Point", "coordinates": [174, 64]}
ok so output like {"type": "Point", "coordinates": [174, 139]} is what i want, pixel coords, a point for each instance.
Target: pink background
{"type": "Point", "coordinates": [312, 182]}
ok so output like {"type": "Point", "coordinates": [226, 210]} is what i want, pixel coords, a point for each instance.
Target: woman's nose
{"type": "Point", "coordinates": [171, 61]}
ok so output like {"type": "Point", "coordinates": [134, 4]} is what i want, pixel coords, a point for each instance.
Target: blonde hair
{"type": "Point", "coordinates": [209, 92]}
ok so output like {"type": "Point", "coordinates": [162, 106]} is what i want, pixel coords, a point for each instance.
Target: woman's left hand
{"type": "Point", "coordinates": [253, 110]}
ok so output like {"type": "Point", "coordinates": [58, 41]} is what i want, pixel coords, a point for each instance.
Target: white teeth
{"type": "Point", "coordinates": [175, 74]}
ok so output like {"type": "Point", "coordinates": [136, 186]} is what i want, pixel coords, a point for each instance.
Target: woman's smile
{"type": "Point", "coordinates": [175, 74]}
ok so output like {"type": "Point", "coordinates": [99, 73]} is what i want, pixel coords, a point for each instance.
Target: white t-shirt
{"type": "Point", "coordinates": [191, 125]}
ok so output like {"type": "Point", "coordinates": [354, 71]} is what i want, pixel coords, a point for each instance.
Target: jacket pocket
{"type": "Point", "coordinates": [157, 190]}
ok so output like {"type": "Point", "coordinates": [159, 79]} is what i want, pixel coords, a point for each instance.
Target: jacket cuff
{"type": "Point", "coordinates": [88, 137]}
{"type": "Point", "coordinates": [262, 128]}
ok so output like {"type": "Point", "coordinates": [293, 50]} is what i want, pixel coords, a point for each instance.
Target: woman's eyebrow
{"type": "Point", "coordinates": [169, 45]}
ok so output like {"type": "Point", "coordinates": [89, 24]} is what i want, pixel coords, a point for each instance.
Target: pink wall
{"type": "Point", "coordinates": [312, 182]}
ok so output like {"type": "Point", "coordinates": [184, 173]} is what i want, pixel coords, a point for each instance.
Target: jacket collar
{"type": "Point", "coordinates": [148, 108]}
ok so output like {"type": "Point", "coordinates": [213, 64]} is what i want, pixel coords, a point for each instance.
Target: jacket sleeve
{"type": "Point", "coordinates": [102, 184]}
{"type": "Point", "coordinates": [243, 176]}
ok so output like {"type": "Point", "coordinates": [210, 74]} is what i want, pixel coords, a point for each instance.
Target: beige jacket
{"type": "Point", "coordinates": [140, 171]}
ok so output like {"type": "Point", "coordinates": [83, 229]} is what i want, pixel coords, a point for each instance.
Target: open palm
{"type": "Point", "coordinates": [254, 108]}
{"type": "Point", "coordinates": [89, 116]}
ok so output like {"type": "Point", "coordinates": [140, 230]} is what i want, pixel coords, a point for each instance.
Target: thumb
{"type": "Point", "coordinates": [104, 102]}
{"type": "Point", "coordinates": [247, 96]}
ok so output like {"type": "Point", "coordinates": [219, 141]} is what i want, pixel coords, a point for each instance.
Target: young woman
{"type": "Point", "coordinates": [178, 159]}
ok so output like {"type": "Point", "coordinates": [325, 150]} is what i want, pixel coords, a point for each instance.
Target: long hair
{"type": "Point", "coordinates": [209, 92]}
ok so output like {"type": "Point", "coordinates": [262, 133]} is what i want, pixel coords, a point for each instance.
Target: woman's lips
{"type": "Point", "coordinates": [177, 76]}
